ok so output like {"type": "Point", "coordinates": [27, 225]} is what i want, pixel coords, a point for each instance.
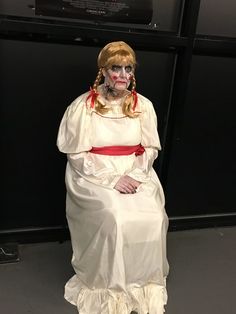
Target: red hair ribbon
{"type": "Point", "coordinates": [135, 97]}
{"type": "Point", "coordinates": [93, 95]}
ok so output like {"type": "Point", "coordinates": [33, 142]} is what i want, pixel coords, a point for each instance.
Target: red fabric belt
{"type": "Point", "coordinates": [118, 150]}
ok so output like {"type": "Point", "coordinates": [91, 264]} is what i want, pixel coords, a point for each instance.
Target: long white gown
{"type": "Point", "coordinates": [118, 240]}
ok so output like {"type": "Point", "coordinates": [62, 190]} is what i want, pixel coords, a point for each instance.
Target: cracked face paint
{"type": "Point", "coordinates": [118, 77]}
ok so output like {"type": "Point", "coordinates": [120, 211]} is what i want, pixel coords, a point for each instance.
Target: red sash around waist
{"type": "Point", "coordinates": [118, 150]}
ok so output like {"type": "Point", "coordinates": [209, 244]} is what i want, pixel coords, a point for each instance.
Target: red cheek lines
{"type": "Point", "coordinates": [130, 77]}
{"type": "Point", "coordinates": [114, 77]}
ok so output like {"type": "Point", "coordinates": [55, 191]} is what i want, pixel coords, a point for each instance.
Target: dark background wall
{"type": "Point", "coordinates": [187, 68]}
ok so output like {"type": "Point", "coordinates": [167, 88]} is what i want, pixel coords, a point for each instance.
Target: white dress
{"type": "Point", "coordinates": [118, 240]}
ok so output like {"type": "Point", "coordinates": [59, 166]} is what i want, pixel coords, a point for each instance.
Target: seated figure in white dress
{"type": "Point", "coordinates": [115, 202]}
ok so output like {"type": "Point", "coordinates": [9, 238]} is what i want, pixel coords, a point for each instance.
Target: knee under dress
{"type": "Point", "coordinates": [118, 240]}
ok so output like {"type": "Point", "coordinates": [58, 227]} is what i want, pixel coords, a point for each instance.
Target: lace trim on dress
{"type": "Point", "coordinates": [109, 117]}
{"type": "Point", "coordinates": [148, 299]}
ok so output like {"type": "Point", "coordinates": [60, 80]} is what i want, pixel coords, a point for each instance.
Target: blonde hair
{"type": "Point", "coordinates": [112, 54]}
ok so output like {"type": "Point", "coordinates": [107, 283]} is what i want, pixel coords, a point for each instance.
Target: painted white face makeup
{"type": "Point", "coordinates": [118, 77]}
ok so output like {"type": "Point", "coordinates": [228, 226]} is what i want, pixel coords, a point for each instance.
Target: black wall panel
{"type": "Point", "coordinates": [217, 17]}
{"type": "Point", "coordinates": [202, 172]}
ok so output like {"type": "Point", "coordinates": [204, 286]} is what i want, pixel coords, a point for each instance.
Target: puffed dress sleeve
{"type": "Point", "coordinates": [74, 131]}
{"type": "Point", "coordinates": [74, 139]}
{"type": "Point", "coordinates": [142, 167]}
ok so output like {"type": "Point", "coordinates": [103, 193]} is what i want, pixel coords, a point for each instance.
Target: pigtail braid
{"type": "Point", "coordinates": [131, 101]}
{"type": "Point", "coordinates": [133, 84]}
{"type": "Point", "coordinates": [97, 80]}
{"type": "Point", "coordinates": [101, 108]}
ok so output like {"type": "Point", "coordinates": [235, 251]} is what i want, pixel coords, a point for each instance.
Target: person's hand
{"type": "Point", "coordinates": [127, 185]}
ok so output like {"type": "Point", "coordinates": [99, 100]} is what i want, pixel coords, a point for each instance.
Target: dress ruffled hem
{"type": "Point", "coordinates": [150, 298]}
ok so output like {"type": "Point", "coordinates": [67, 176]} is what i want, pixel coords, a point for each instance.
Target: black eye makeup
{"type": "Point", "coordinates": [117, 68]}
{"type": "Point", "coordinates": [128, 68]}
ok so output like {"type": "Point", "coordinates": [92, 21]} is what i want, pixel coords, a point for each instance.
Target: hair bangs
{"type": "Point", "coordinates": [121, 57]}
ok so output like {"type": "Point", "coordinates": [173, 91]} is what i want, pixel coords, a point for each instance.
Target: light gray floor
{"type": "Point", "coordinates": [202, 276]}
